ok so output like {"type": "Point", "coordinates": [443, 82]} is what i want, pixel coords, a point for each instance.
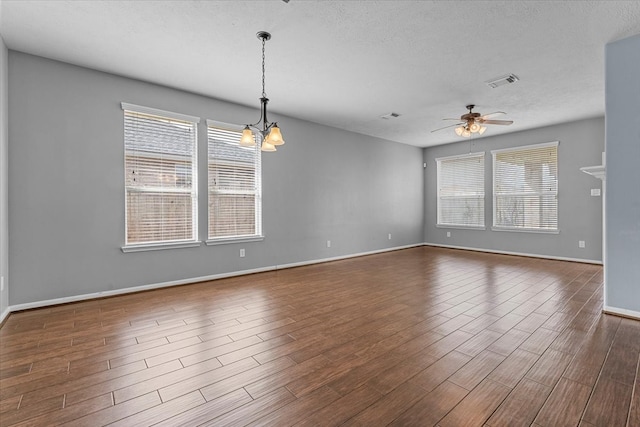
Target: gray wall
{"type": "Point", "coordinates": [4, 144]}
{"type": "Point", "coordinates": [580, 214]}
{"type": "Point", "coordinates": [66, 198]}
{"type": "Point", "coordinates": [623, 175]}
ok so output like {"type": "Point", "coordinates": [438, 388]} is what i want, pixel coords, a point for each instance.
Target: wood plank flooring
{"type": "Point", "coordinates": [417, 337]}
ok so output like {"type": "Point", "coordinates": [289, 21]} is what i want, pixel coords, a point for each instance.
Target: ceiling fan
{"type": "Point", "coordinates": [473, 122]}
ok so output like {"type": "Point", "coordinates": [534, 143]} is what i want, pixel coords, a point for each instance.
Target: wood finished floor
{"type": "Point", "coordinates": [417, 337]}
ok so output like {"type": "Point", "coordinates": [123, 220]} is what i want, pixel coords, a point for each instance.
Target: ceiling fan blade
{"type": "Point", "coordinates": [450, 126]}
{"type": "Point", "coordinates": [458, 119]}
{"type": "Point", "coordinates": [496, 122]}
{"type": "Point", "coordinates": [484, 116]}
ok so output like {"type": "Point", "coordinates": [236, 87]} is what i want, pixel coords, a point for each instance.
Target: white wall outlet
{"type": "Point", "coordinates": [328, 243]}
{"type": "Point", "coordinates": [581, 243]}
{"type": "Point", "coordinates": [448, 234]}
{"type": "Point", "coordinates": [242, 253]}
{"type": "Point", "coordinates": [389, 236]}
{"type": "Point", "coordinates": [595, 191]}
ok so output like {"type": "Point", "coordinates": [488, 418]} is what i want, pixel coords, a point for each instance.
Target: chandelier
{"type": "Point", "coordinates": [271, 136]}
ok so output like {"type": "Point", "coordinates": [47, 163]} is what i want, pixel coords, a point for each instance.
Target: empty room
{"type": "Point", "coordinates": [319, 213]}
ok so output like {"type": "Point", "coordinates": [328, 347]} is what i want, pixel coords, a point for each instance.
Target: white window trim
{"type": "Point", "coordinates": [224, 125]}
{"type": "Point", "coordinates": [460, 156]}
{"type": "Point", "coordinates": [527, 147]}
{"type": "Point", "coordinates": [160, 246]}
{"type": "Point", "coordinates": [527, 230]}
{"type": "Point", "coordinates": [144, 247]}
{"type": "Point", "coordinates": [462, 227]}
{"type": "Point", "coordinates": [456, 226]}
{"type": "Point", "coordinates": [493, 180]}
{"type": "Point", "coordinates": [233, 239]}
{"type": "Point", "coordinates": [158, 112]}
{"type": "Point", "coordinates": [227, 240]}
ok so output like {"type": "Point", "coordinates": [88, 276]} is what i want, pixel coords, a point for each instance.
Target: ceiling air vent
{"type": "Point", "coordinates": [390, 116]}
{"type": "Point", "coordinates": [502, 80]}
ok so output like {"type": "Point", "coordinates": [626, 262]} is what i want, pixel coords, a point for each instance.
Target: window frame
{"type": "Point", "coordinates": [439, 224]}
{"type": "Point", "coordinates": [258, 205]}
{"type": "Point", "coordinates": [495, 227]}
{"type": "Point", "coordinates": [173, 243]}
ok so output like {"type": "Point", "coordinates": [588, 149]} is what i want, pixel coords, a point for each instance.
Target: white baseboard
{"type": "Point", "coordinates": [338, 258]}
{"type": "Point", "coordinates": [622, 312]}
{"type": "Point", "coordinates": [492, 251]}
{"type": "Point", "coordinates": [103, 294]}
{"type": "Point", "coordinates": [4, 314]}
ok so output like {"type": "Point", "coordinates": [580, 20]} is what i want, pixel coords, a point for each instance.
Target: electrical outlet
{"type": "Point", "coordinates": [389, 236]}
{"type": "Point", "coordinates": [581, 244]}
{"type": "Point", "coordinates": [328, 243]}
{"type": "Point", "coordinates": [595, 191]}
{"type": "Point", "coordinates": [448, 234]}
{"type": "Point", "coordinates": [241, 253]}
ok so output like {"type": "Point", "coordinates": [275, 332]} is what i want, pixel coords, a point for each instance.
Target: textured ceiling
{"type": "Point", "coordinates": [346, 63]}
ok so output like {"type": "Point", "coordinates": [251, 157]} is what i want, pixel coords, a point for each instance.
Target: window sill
{"type": "Point", "coordinates": [462, 227]}
{"type": "Point", "coordinates": [526, 230]}
{"type": "Point", "coordinates": [159, 246]}
{"type": "Point", "coordinates": [227, 240]}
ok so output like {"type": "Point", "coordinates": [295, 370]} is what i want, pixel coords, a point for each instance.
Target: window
{"type": "Point", "coordinates": [160, 176]}
{"type": "Point", "coordinates": [235, 188]}
{"type": "Point", "coordinates": [461, 191]}
{"type": "Point", "coordinates": [525, 188]}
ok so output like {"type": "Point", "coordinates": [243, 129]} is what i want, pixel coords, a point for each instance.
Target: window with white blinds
{"type": "Point", "coordinates": [160, 176]}
{"type": "Point", "coordinates": [525, 188]}
{"type": "Point", "coordinates": [461, 191]}
{"type": "Point", "coordinates": [235, 186]}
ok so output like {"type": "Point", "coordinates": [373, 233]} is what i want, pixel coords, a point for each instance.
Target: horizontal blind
{"type": "Point", "coordinates": [461, 190]}
{"type": "Point", "coordinates": [160, 171]}
{"type": "Point", "coordinates": [235, 202]}
{"type": "Point", "coordinates": [525, 187]}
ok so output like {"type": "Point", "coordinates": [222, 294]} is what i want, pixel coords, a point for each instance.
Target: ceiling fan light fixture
{"type": "Point", "coordinates": [471, 123]}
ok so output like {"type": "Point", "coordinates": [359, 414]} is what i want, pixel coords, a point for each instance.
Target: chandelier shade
{"type": "Point", "coordinates": [275, 137]}
{"type": "Point", "coordinates": [247, 139]}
